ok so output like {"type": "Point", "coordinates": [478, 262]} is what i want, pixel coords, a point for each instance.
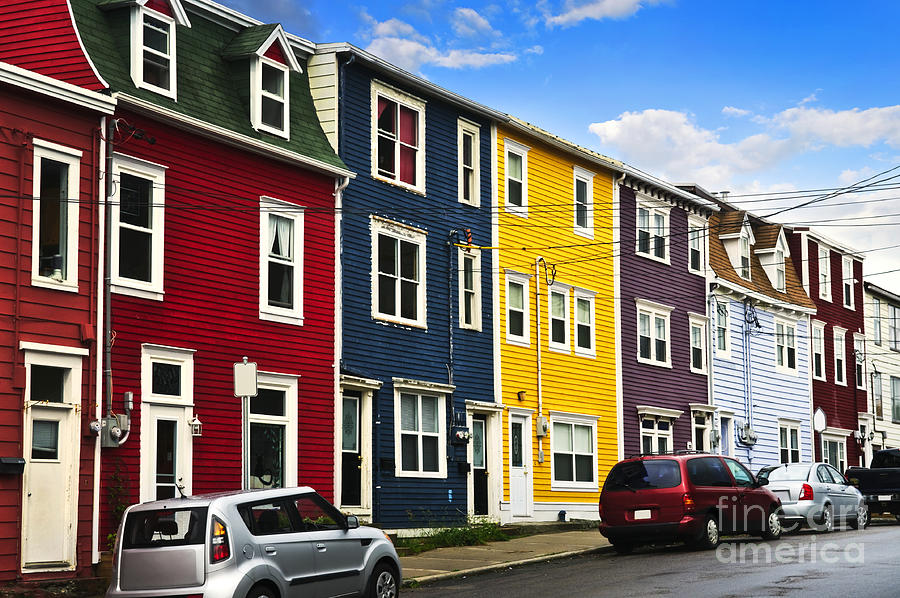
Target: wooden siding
{"type": "Point", "coordinates": [669, 284]}
{"type": "Point", "coordinates": [322, 70]}
{"type": "Point", "coordinates": [39, 35]}
{"type": "Point", "coordinates": [42, 315]}
{"type": "Point", "coordinates": [571, 383]}
{"type": "Point", "coordinates": [211, 305]}
{"type": "Point", "coordinates": [380, 350]}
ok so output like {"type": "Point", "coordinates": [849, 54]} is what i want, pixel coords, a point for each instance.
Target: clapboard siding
{"type": "Point", "coordinates": [381, 350]}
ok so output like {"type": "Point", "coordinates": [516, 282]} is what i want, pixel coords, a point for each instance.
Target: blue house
{"type": "Point", "coordinates": [413, 438]}
{"type": "Point", "coordinates": [760, 366]}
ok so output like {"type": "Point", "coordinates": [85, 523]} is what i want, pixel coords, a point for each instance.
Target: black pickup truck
{"type": "Point", "coordinates": [880, 483]}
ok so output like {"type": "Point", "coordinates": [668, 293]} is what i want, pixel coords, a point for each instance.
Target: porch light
{"type": "Point", "coordinates": [196, 426]}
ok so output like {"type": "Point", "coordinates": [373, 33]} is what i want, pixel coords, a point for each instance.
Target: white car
{"type": "Point", "coordinates": [275, 543]}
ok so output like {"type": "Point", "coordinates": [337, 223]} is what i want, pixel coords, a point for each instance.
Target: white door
{"type": "Point", "coordinates": [167, 458]}
{"type": "Point", "coordinates": [519, 465]}
{"type": "Point", "coordinates": [50, 491]}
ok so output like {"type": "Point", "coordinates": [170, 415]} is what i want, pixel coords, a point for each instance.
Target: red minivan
{"type": "Point", "coordinates": [688, 497]}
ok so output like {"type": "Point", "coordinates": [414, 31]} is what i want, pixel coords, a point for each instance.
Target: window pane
{"type": "Point", "coordinates": [268, 401]}
{"type": "Point", "coordinates": [409, 412]}
{"type": "Point", "coordinates": [350, 425]}
{"type": "Point", "coordinates": [47, 383]}
{"type": "Point", "coordinates": [281, 285]}
{"type": "Point", "coordinates": [563, 467]}
{"type": "Point", "coordinates": [557, 305]}
{"type": "Point", "coordinates": [515, 193]}
{"type": "Point", "coordinates": [429, 453]}
{"type": "Point", "coordinates": [477, 443]}
{"type": "Point", "coordinates": [386, 156]}
{"type": "Point", "coordinates": [387, 255]}
{"type": "Point", "coordinates": [514, 166]}
{"type": "Point", "coordinates": [387, 295]}
{"type": "Point", "coordinates": [409, 260]}
{"type": "Point", "coordinates": [429, 414]}
{"type": "Point", "coordinates": [584, 336]}
{"type": "Point", "coordinates": [156, 70]}
{"type": "Point", "coordinates": [273, 113]}
{"type": "Point", "coordinates": [409, 295]}
{"type": "Point", "coordinates": [135, 198]}
{"type": "Point", "coordinates": [516, 442]}
{"type": "Point", "coordinates": [584, 468]}
{"type": "Point", "coordinates": [409, 124]}
{"type": "Point", "coordinates": [44, 439]}
{"type": "Point", "coordinates": [135, 254]}
{"type": "Point", "coordinates": [409, 452]}
{"type": "Point", "coordinates": [517, 323]}
{"type": "Point", "coordinates": [273, 80]}
{"type": "Point", "coordinates": [53, 233]}
{"type": "Point", "coordinates": [562, 437]}
{"type": "Point", "coordinates": [165, 458]}
{"type": "Point", "coordinates": [156, 34]}
{"type": "Point", "coordinates": [583, 442]}
{"type": "Point", "coordinates": [558, 331]}
{"type": "Point", "coordinates": [166, 379]}
{"type": "Point", "coordinates": [387, 115]}
{"type": "Point", "coordinates": [516, 295]}
{"type": "Point", "coordinates": [282, 237]}
{"type": "Point", "coordinates": [407, 165]}
{"type": "Point", "coordinates": [266, 455]}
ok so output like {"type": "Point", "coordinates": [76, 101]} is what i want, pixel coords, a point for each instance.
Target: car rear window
{"type": "Point", "coordinates": [785, 473]}
{"type": "Point", "coordinates": [708, 471]}
{"type": "Point", "coordinates": [643, 474]}
{"type": "Point", "coordinates": [165, 527]}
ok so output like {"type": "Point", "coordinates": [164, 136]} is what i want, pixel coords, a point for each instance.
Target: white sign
{"type": "Point", "coordinates": [819, 422]}
{"type": "Point", "coordinates": [245, 379]}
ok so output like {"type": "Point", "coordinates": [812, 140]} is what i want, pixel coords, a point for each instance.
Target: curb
{"type": "Point", "coordinates": [416, 581]}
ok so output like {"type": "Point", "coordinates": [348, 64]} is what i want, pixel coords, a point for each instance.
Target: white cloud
{"type": "Point", "coordinates": [468, 23]}
{"type": "Point", "coordinates": [842, 128]}
{"type": "Point", "coordinates": [732, 111]}
{"type": "Point", "coordinates": [535, 50]}
{"type": "Point", "coordinates": [575, 12]}
{"type": "Point", "coordinates": [848, 177]}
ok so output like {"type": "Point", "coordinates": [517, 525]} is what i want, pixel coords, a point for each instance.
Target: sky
{"type": "Point", "coordinates": [765, 99]}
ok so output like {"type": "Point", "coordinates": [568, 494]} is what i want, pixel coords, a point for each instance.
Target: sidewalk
{"type": "Point", "coordinates": [445, 563]}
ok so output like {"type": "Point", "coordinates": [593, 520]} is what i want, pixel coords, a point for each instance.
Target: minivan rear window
{"type": "Point", "coordinates": [643, 474]}
{"type": "Point", "coordinates": [165, 527]}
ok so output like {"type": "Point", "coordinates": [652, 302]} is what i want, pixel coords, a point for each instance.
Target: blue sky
{"type": "Point", "coordinates": [745, 96]}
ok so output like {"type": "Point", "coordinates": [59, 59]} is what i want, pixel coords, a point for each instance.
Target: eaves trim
{"type": "Point", "coordinates": [29, 80]}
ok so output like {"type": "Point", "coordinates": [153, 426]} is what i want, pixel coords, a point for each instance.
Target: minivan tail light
{"type": "Point", "coordinates": [218, 542]}
{"type": "Point", "coordinates": [806, 492]}
{"type": "Point", "coordinates": [688, 502]}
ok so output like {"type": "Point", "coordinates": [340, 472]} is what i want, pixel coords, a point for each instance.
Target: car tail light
{"type": "Point", "coordinates": [688, 502]}
{"type": "Point", "coordinates": [219, 542]}
{"type": "Point", "coordinates": [806, 492]}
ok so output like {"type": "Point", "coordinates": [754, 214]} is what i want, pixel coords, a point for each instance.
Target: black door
{"type": "Point", "coordinates": [351, 457]}
{"type": "Point", "coordinates": [479, 465]}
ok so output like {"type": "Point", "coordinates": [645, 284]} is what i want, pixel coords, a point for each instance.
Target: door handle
{"type": "Point", "coordinates": [320, 547]}
{"type": "Point", "coordinates": [270, 550]}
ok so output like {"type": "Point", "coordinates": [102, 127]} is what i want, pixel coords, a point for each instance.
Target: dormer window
{"type": "Point", "coordinates": [270, 97]}
{"type": "Point", "coordinates": [153, 47]}
{"type": "Point", "coordinates": [745, 257]}
{"type": "Point", "coordinates": [157, 59]}
{"type": "Point", "coordinates": [779, 270]}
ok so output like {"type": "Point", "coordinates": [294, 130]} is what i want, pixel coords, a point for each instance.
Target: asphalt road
{"type": "Point", "coordinates": [842, 564]}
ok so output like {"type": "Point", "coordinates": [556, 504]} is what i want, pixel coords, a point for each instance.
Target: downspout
{"type": "Point", "coordinates": [107, 269]}
{"type": "Point", "coordinates": [748, 381]}
{"type": "Point", "coordinates": [17, 360]}
{"type": "Point", "coordinates": [450, 238]}
{"type": "Point", "coordinates": [537, 316]}
{"type": "Point", "coordinates": [97, 221]}
{"type": "Point", "coordinates": [617, 317]}
{"type": "Point", "coordinates": [339, 185]}
{"type": "Point", "coordinates": [710, 340]}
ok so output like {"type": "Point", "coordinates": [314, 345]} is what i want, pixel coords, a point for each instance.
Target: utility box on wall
{"type": "Point", "coordinates": [12, 465]}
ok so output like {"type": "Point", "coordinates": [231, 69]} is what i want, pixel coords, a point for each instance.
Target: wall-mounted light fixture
{"type": "Point", "coordinates": [521, 395]}
{"type": "Point", "coordinates": [196, 427]}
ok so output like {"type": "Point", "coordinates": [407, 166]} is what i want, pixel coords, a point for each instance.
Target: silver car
{"type": "Point", "coordinates": [250, 544]}
{"type": "Point", "coordinates": [815, 495]}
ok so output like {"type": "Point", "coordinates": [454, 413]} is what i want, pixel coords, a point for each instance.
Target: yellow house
{"type": "Point", "coordinates": [554, 337]}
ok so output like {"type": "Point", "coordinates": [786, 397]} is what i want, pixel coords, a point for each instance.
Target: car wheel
{"type": "Point", "coordinates": [709, 535]}
{"type": "Point", "coordinates": [261, 591]}
{"type": "Point", "coordinates": [383, 583]}
{"type": "Point", "coordinates": [623, 547]}
{"type": "Point", "coordinates": [772, 527]}
{"type": "Point", "coordinates": [862, 518]}
{"type": "Point", "coordinates": [827, 525]}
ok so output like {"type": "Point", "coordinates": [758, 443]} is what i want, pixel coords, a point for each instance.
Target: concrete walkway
{"type": "Point", "coordinates": [444, 563]}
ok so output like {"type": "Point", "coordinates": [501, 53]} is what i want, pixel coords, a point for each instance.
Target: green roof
{"type": "Point", "coordinates": [209, 87]}
{"type": "Point", "coordinates": [247, 41]}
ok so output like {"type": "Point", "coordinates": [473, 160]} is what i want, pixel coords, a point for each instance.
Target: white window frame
{"type": "Point", "coordinates": [786, 341]}
{"type": "Point", "coordinates": [707, 426]}
{"type": "Point", "coordinates": [269, 206]}
{"type": "Point", "coordinates": [156, 174]}
{"type": "Point", "coordinates": [818, 338]}
{"type": "Point", "coordinates": [859, 361]}
{"type": "Point", "coordinates": [723, 311]}
{"type": "Point", "coordinates": [789, 426]}
{"type": "Point", "coordinates": [573, 419]}
{"type": "Point", "coordinates": [413, 103]}
{"type": "Point", "coordinates": [654, 209]}
{"type": "Point", "coordinates": [71, 158]}
{"type": "Point", "coordinates": [696, 321]}
{"type": "Point", "coordinates": [726, 434]}
{"type": "Point", "coordinates": [697, 232]}
{"type": "Point", "coordinates": [847, 283]}
{"type": "Point", "coordinates": [780, 271]}
{"type": "Point", "coordinates": [580, 175]}
{"type": "Point", "coordinates": [257, 93]}
{"type": "Point", "coordinates": [894, 382]}
{"type": "Point", "coordinates": [288, 384]}
{"type": "Point", "coordinates": [467, 127]}
{"type": "Point", "coordinates": [894, 327]}
{"type": "Point", "coordinates": [558, 289]}
{"type": "Point", "coordinates": [137, 51]}
{"type": "Point", "coordinates": [877, 395]}
{"type": "Point", "coordinates": [744, 253]}
{"type": "Point", "coordinates": [654, 311]}
{"type": "Point", "coordinates": [824, 254]}
{"type": "Point", "coordinates": [525, 280]}
{"type": "Point", "coordinates": [876, 320]}
{"type": "Point", "coordinates": [473, 255]}
{"type": "Point", "coordinates": [420, 390]}
{"type": "Point", "coordinates": [510, 146]}
{"type": "Point", "coordinates": [590, 297]}
{"type": "Point", "coordinates": [840, 356]}
{"type": "Point", "coordinates": [408, 234]}
{"type": "Point", "coordinates": [655, 433]}
{"type": "Point", "coordinates": [842, 449]}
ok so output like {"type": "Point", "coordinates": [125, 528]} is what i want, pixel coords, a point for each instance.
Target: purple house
{"type": "Point", "coordinates": [662, 268]}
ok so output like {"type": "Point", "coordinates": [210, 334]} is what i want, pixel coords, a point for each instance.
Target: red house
{"type": "Point", "coordinates": [219, 243]}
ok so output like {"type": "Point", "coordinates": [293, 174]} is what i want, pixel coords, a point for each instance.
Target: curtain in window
{"type": "Point", "coordinates": [409, 140]}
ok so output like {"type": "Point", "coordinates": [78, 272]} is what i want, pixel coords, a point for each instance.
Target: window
{"type": "Point", "coordinates": [398, 270]}
{"type": "Point", "coordinates": [280, 261]}
{"type": "Point", "coordinates": [270, 95]}
{"type": "Point", "coordinates": [138, 227]}
{"type": "Point", "coordinates": [779, 270]}
{"type": "Point", "coordinates": [723, 336]}
{"type": "Point", "coordinates": [468, 142]}
{"type": "Point", "coordinates": [574, 454]}
{"type": "Point", "coordinates": [698, 344]}
{"type": "Point", "coordinates": [398, 137]}
{"type": "Point", "coordinates": [818, 350]}
{"type": "Point", "coordinates": [725, 435]}
{"type": "Point", "coordinates": [789, 443]}
{"type": "Point", "coordinates": [876, 320]}
{"type": "Point", "coordinates": [656, 435]}
{"type": "Point", "coordinates": [745, 257]}
{"type": "Point", "coordinates": [708, 471]}
{"type": "Point", "coordinates": [847, 281]}
{"type": "Point", "coordinates": [316, 515]}
{"type": "Point", "coordinates": [742, 476]}
{"type": "Point", "coordinates": [895, 399]}
{"type": "Point", "coordinates": [469, 288]}
{"type": "Point", "coordinates": [517, 317]}
{"type": "Point", "coordinates": [55, 189]}
{"type": "Point", "coordinates": [824, 273]}
{"type": "Point", "coordinates": [584, 323]}
{"type": "Point", "coordinates": [272, 432]}
{"type": "Point", "coordinates": [653, 231]}
{"type": "Point", "coordinates": [894, 327]}
{"type": "Point", "coordinates": [840, 374]}
{"type": "Point", "coordinates": [877, 394]}
{"type": "Point", "coordinates": [834, 452]}
{"type": "Point", "coordinates": [419, 445]}
{"type": "Point", "coordinates": [701, 425]}
{"type": "Point", "coordinates": [153, 58]}
{"type": "Point", "coordinates": [653, 333]}
{"type": "Point", "coordinates": [267, 518]}
{"type": "Point", "coordinates": [859, 360]}
{"type": "Point", "coordinates": [584, 202]}
{"type": "Point", "coordinates": [558, 320]}
{"type": "Point", "coordinates": [516, 177]}
{"type": "Point", "coordinates": [785, 347]}
{"type": "Point", "coordinates": [696, 246]}
{"type": "Point", "coordinates": [168, 373]}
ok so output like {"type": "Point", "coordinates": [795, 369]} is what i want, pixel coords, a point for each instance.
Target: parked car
{"type": "Point", "coordinates": [687, 497]}
{"type": "Point", "coordinates": [250, 544]}
{"type": "Point", "coordinates": [815, 495]}
{"type": "Point", "coordinates": [880, 483]}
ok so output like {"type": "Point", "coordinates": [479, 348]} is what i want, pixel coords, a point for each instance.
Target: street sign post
{"type": "Point", "coordinates": [245, 386]}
